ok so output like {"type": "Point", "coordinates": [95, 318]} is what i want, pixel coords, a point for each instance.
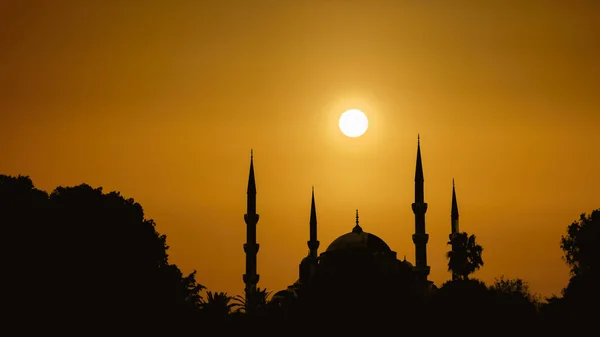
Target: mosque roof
{"type": "Point", "coordinates": [359, 240]}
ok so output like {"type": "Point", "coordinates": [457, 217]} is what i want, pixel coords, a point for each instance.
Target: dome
{"type": "Point", "coordinates": [358, 239]}
{"type": "Point", "coordinates": [405, 265]}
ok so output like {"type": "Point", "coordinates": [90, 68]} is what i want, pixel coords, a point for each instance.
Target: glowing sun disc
{"type": "Point", "coordinates": [353, 123]}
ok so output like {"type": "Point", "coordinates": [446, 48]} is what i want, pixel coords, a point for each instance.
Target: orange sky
{"type": "Point", "coordinates": [163, 101]}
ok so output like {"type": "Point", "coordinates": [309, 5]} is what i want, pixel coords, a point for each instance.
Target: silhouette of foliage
{"type": "Point", "coordinates": [193, 289]}
{"type": "Point", "coordinates": [254, 302]}
{"type": "Point", "coordinates": [464, 258]}
{"type": "Point", "coordinates": [101, 258]}
{"type": "Point", "coordinates": [515, 303]}
{"type": "Point", "coordinates": [28, 241]}
{"type": "Point", "coordinates": [581, 244]}
{"type": "Point", "coordinates": [514, 288]}
{"type": "Point", "coordinates": [460, 300]}
{"type": "Point", "coordinates": [217, 305]}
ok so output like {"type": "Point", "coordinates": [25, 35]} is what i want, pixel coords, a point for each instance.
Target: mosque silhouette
{"type": "Point", "coordinates": [357, 259]}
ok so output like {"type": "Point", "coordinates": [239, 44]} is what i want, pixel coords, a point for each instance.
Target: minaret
{"type": "Point", "coordinates": [419, 208]}
{"type": "Point", "coordinates": [454, 220]}
{"type": "Point", "coordinates": [251, 247]}
{"type": "Point", "coordinates": [313, 243]}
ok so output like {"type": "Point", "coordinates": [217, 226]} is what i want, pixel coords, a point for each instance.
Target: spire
{"type": "Point", "coordinates": [419, 171]}
{"type": "Point", "coordinates": [454, 203]}
{"type": "Point", "coordinates": [419, 189]}
{"type": "Point", "coordinates": [313, 243]}
{"type": "Point", "coordinates": [357, 228]}
{"type": "Point", "coordinates": [453, 223]}
{"type": "Point", "coordinates": [251, 182]}
{"type": "Point", "coordinates": [454, 212]}
{"type": "Point", "coordinates": [251, 199]}
{"type": "Point", "coordinates": [313, 215]}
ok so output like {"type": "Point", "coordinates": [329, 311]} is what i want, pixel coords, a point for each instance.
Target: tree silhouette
{"type": "Point", "coordinates": [515, 302]}
{"type": "Point", "coordinates": [581, 244]}
{"type": "Point", "coordinates": [514, 287]}
{"type": "Point", "coordinates": [464, 258]}
{"type": "Point", "coordinates": [192, 290]}
{"type": "Point", "coordinates": [217, 305]}
{"type": "Point", "coordinates": [467, 301]}
{"type": "Point", "coordinates": [254, 302]}
{"type": "Point", "coordinates": [102, 263]}
{"type": "Point", "coordinates": [28, 241]}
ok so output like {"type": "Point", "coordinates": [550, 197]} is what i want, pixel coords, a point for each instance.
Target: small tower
{"type": "Point", "coordinates": [454, 221]}
{"type": "Point", "coordinates": [313, 243]}
{"type": "Point", "coordinates": [419, 207]}
{"type": "Point", "coordinates": [251, 247]}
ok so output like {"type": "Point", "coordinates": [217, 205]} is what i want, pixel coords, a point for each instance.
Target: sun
{"type": "Point", "coordinates": [354, 123]}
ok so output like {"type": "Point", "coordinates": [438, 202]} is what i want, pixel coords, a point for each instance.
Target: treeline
{"type": "Point", "coordinates": [79, 260]}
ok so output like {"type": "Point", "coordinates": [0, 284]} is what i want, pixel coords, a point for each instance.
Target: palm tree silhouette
{"type": "Point", "coordinates": [217, 305]}
{"type": "Point", "coordinates": [254, 302]}
{"type": "Point", "coordinates": [465, 256]}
